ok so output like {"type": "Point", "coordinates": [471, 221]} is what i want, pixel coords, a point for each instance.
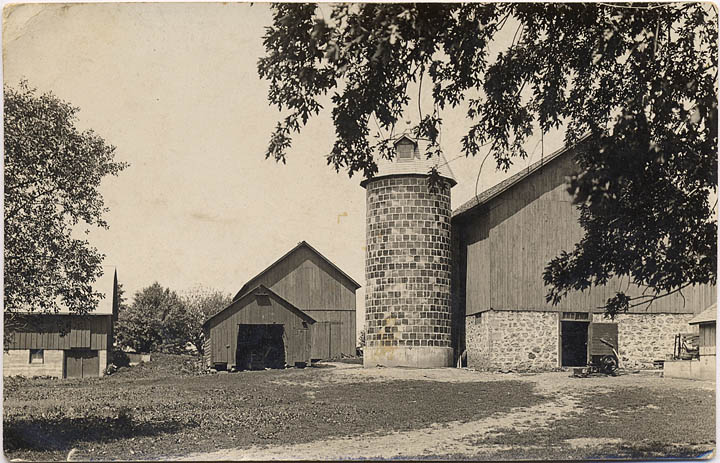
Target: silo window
{"type": "Point", "coordinates": [405, 150]}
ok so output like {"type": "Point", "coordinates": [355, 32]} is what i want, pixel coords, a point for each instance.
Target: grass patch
{"type": "Point", "coordinates": [160, 409]}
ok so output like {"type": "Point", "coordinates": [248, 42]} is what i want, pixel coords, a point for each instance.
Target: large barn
{"type": "Point", "coordinates": [503, 240]}
{"type": "Point", "coordinates": [65, 345]}
{"type": "Point", "coordinates": [442, 283]}
{"type": "Point", "coordinates": [309, 301]}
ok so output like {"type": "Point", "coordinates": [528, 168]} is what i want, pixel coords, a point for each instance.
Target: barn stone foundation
{"type": "Point", "coordinates": [529, 341]}
{"type": "Point", "coordinates": [644, 338]}
{"type": "Point", "coordinates": [498, 340]}
{"type": "Point", "coordinates": [407, 268]}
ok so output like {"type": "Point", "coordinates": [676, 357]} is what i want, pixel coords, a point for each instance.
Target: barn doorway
{"type": "Point", "coordinates": [574, 337]}
{"type": "Point", "coordinates": [260, 347]}
{"type": "Point", "coordinates": [82, 363]}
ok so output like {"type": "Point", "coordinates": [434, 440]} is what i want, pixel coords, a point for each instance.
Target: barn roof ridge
{"type": "Point", "coordinates": [500, 188]}
{"type": "Point", "coordinates": [302, 243]}
{"type": "Point", "coordinates": [289, 305]}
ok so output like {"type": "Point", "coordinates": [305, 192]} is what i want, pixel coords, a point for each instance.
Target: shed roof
{"type": "Point", "coordinates": [250, 283]}
{"type": "Point", "coordinates": [262, 289]}
{"type": "Point", "coordinates": [706, 316]}
{"type": "Point", "coordinates": [500, 188]}
{"type": "Point", "coordinates": [105, 285]}
{"type": "Point", "coordinates": [419, 164]}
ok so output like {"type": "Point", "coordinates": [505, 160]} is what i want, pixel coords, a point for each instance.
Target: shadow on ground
{"type": "Point", "coordinates": [62, 434]}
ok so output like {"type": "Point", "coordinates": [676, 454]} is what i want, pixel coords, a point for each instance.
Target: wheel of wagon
{"type": "Point", "coordinates": [608, 364]}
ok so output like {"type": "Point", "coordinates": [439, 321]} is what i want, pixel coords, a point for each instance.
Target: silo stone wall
{"type": "Point", "coordinates": [408, 271]}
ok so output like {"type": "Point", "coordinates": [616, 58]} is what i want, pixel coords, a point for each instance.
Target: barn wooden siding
{"type": "Point", "coordinates": [308, 282]}
{"type": "Point", "coordinates": [259, 306]}
{"type": "Point", "coordinates": [508, 241]}
{"type": "Point", "coordinates": [63, 332]}
{"type": "Point", "coordinates": [341, 332]}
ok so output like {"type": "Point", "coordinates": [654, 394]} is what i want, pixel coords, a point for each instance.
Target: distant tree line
{"type": "Point", "coordinates": [161, 320]}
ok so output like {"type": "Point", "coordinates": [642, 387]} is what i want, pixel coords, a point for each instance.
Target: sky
{"type": "Point", "coordinates": [174, 87]}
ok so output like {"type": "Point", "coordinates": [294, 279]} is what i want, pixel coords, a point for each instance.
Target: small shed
{"type": "Point", "coordinates": [704, 367]}
{"type": "Point", "coordinates": [258, 330]}
{"type": "Point", "coordinates": [64, 344]}
{"type": "Point", "coordinates": [706, 322]}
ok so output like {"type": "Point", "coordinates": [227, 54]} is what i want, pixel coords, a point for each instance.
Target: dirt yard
{"type": "Point", "coordinates": [341, 410]}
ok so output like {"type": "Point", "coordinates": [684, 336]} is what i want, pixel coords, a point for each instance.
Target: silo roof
{"type": "Point", "coordinates": [419, 164]}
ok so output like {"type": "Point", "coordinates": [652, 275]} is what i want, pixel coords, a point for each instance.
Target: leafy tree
{"type": "Point", "coordinates": [52, 178]}
{"type": "Point", "coordinates": [202, 303]}
{"type": "Point", "coordinates": [636, 82]}
{"type": "Point", "coordinates": [157, 320]}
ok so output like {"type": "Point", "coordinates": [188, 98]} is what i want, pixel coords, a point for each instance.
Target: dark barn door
{"type": "Point", "coordinates": [260, 346]}
{"type": "Point", "coordinates": [574, 343]}
{"type": "Point", "coordinates": [81, 363]}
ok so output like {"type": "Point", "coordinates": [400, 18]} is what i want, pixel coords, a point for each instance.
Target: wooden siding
{"type": "Point", "coordinates": [63, 332]}
{"type": "Point", "coordinates": [707, 335]}
{"type": "Point", "coordinates": [508, 242]}
{"type": "Point", "coordinates": [343, 330]}
{"type": "Point", "coordinates": [604, 331]}
{"type": "Point", "coordinates": [308, 282]}
{"type": "Point", "coordinates": [252, 309]}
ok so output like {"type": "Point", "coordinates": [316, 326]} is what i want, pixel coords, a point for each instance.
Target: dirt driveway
{"type": "Point", "coordinates": [632, 415]}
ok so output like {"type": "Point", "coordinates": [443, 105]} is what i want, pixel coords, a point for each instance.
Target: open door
{"type": "Point", "coordinates": [574, 335]}
{"type": "Point", "coordinates": [603, 334]}
{"type": "Point", "coordinates": [260, 346]}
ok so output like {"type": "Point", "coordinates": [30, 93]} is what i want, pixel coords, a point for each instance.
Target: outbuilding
{"type": "Point", "coordinates": [315, 285]}
{"type": "Point", "coordinates": [258, 330]}
{"type": "Point", "coordinates": [64, 344]}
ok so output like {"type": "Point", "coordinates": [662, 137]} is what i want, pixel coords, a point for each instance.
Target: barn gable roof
{"type": "Point", "coordinates": [500, 188]}
{"type": "Point", "coordinates": [303, 244]}
{"type": "Point", "coordinates": [258, 291]}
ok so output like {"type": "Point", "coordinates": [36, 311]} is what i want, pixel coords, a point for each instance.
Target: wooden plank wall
{"type": "Point", "coordinates": [320, 335]}
{"type": "Point", "coordinates": [343, 329]}
{"type": "Point", "coordinates": [707, 335]}
{"type": "Point", "coordinates": [509, 244]}
{"type": "Point", "coordinates": [258, 310]}
{"type": "Point", "coordinates": [46, 332]}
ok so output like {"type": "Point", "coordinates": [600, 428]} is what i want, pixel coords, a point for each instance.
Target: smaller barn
{"type": "Point", "coordinates": [63, 344]}
{"type": "Point", "coordinates": [314, 284]}
{"type": "Point", "coordinates": [258, 330]}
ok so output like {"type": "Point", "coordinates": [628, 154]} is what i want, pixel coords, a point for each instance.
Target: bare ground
{"type": "Point", "coordinates": [478, 439]}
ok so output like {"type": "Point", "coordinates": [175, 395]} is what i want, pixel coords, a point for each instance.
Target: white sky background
{"type": "Point", "coordinates": [175, 88]}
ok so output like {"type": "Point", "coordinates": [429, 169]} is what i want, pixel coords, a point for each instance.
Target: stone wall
{"type": "Point", "coordinates": [16, 362]}
{"type": "Point", "coordinates": [407, 265]}
{"type": "Point", "coordinates": [647, 337]}
{"type": "Point", "coordinates": [528, 341]}
{"type": "Point", "coordinates": [497, 340]}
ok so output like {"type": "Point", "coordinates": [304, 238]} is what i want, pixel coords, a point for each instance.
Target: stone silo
{"type": "Point", "coordinates": [408, 262]}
